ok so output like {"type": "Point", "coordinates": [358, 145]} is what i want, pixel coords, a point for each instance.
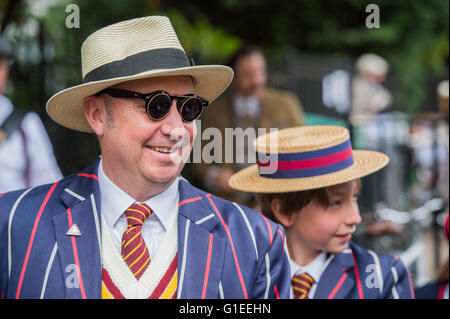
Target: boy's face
{"type": "Point", "coordinates": [327, 229]}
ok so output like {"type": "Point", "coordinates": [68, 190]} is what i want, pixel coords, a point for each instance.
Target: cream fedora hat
{"type": "Point", "coordinates": [130, 50]}
{"type": "Point", "coordinates": [304, 158]}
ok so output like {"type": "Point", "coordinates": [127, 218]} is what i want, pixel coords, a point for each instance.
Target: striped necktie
{"type": "Point", "coordinates": [134, 251]}
{"type": "Point", "coordinates": [302, 284]}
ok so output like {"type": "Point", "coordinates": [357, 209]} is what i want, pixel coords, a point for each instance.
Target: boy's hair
{"type": "Point", "coordinates": [293, 202]}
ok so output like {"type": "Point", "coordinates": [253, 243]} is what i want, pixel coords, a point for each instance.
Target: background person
{"type": "Point", "coordinates": [26, 153]}
{"type": "Point", "coordinates": [248, 103]}
{"type": "Point", "coordinates": [370, 97]}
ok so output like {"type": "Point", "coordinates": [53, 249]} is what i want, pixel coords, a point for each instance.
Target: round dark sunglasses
{"type": "Point", "coordinates": [158, 103]}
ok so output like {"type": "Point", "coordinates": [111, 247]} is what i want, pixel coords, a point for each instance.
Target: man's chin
{"type": "Point", "coordinates": [164, 174]}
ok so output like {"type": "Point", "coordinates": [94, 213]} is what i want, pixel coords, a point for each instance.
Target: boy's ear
{"type": "Point", "coordinates": [285, 219]}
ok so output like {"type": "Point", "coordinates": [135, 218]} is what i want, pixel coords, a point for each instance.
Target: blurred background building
{"type": "Point", "coordinates": [312, 49]}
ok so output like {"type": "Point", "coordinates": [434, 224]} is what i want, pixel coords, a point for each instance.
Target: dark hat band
{"type": "Point", "coordinates": [306, 164]}
{"type": "Point", "coordinates": [167, 58]}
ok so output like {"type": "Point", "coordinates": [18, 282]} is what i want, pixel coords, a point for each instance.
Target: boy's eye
{"type": "Point", "coordinates": [335, 203]}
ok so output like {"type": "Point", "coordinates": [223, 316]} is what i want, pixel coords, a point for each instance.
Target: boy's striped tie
{"type": "Point", "coordinates": [134, 250]}
{"type": "Point", "coordinates": [302, 284]}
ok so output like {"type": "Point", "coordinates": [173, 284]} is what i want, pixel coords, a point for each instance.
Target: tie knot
{"type": "Point", "coordinates": [137, 214]}
{"type": "Point", "coordinates": [302, 284]}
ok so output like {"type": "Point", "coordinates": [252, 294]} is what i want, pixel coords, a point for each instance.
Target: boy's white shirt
{"type": "Point", "coordinates": [315, 269]}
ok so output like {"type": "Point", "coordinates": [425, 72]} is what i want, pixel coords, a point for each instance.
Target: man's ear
{"type": "Point", "coordinates": [285, 219]}
{"type": "Point", "coordinates": [94, 108]}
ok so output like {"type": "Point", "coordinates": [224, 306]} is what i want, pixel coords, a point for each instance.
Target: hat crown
{"type": "Point", "coordinates": [121, 40]}
{"type": "Point", "coordinates": [301, 139]}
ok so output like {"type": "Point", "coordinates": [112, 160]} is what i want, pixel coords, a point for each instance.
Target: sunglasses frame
{"type": "Point", "coordinates": [148, 98]}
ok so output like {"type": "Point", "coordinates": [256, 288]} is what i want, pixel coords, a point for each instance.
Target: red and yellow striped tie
{"type": "Point", "coordinates": [302, 284]}
{"type": "Point", "coordinates": [134, 250]}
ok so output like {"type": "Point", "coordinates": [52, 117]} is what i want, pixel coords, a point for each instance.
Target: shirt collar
{"type": "Point", "coordinates": [245, 105]}
{"type": "Point", "coordinates": [114, 201]}
{"type": "Point", "coordinates": [314, 268]}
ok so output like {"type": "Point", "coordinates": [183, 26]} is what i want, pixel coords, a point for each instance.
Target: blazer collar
{"type": "Point", "coordinates": [336, 281]}
{"type": "Point", "coordinates": [80, 256]}
{"type": "Point", "coordinates": [193, 205]}
{"type": "Point", "coordinates": [199, 267]}
{"type": "Point", "coordinates": [82, 186]}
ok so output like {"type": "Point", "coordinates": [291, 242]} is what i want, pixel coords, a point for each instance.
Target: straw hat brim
{"type": "Point", "coordinates": [365, 163]}
{"type": "Point", "coordinates": [66, 107]}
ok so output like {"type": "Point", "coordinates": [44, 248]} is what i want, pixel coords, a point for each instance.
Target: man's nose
{"type": "Point", "coordinates": [173, 124]}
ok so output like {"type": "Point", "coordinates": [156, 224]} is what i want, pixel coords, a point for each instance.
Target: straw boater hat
{"type": "Point", "coordinates": [130, 50]}
{"type": "Point", "coordinates": [304, 158]}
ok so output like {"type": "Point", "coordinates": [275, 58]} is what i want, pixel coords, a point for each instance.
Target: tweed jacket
{"type": "Point", "coordinates": [278, 109]}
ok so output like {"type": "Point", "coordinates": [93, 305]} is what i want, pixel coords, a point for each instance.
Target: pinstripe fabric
{"type": "Point", "coordinates": [357, 273]}
{"type": "Point", "coordinates": [224, 250]}
{"type": "Point", "coordinates": [134, 251]}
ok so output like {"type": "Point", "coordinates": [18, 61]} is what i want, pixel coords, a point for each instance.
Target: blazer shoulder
{"type": "Point", "coordinates": [30, 199]}
{"type": "Point", "coordinates": [254, 217]}
{"type": "Point", "coordinates": [367, 256]}
{"type": "Point", "coordinates": [248, 223]}
{"type": "Point", "coordinates": [388, 264]}
{"type": "Point", "coordinates": [428, 290]}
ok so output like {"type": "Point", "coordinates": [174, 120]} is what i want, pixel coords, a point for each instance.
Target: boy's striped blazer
{"type": "Point", "coordinates": [357, 273]}
{"type": "Point", "coordinates": [224, 250]}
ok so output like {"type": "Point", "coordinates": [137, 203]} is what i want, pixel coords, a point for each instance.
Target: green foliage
{"type": "Point", "coordinates": [208, 44]}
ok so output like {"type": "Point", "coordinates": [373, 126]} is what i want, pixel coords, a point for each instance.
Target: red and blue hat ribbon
{"type": "Point", "coordinates": [306, 164]}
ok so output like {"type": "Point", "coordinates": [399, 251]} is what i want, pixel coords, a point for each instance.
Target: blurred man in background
{"type": "Point", "coordinates": [26, 154]}
{"type": "Point", "coordinates": [370, 97]}
{"type": "Point", "coordinates": [247, 104]}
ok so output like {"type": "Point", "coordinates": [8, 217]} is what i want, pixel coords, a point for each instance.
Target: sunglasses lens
{"type": "Point", "coordinates": [159, 106]}
{"type": "Point", "coordinates": [192, 108]}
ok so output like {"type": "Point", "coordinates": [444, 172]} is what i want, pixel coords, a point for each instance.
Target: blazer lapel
{"type": "Point", "coordinates": [80, 256]}
{"type": "Point", "coordinates": [335, 282]}
{"type": "Point", "coordinates": [201, 249]}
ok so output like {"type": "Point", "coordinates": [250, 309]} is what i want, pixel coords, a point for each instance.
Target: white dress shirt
{"type": "Point", "coordinates": [43, 168]}
{"type": "Point", "coordinates": [315, 269]}
{"type": "Point", "coordinates": [246, 106]}
{"type": "Point", "coordinates": [114, 203]}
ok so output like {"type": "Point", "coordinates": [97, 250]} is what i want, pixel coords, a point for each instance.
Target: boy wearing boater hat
{"type": "Point", "coordinates": [129, 226]}
{"type": "Point", "coordinates": [308, 179]}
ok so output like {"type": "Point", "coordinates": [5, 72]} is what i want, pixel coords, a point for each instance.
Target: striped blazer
{"type": "Point", "coordinates": [224, 250]}
{"type": "Point", "coordinates": [357, 273]}
{"type": "Point", "coordinates": [431, 290]}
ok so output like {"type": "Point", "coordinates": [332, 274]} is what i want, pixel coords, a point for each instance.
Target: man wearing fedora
{"type": "Point", "coordinates": [129, 226]}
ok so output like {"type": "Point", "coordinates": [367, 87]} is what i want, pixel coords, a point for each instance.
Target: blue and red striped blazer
{"type": "Point", "coordinates": [431, 290]}
{"type": "Point", "coordinates": [224, 250]}
{"type": "Point", "coordinates": [358, 273]}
